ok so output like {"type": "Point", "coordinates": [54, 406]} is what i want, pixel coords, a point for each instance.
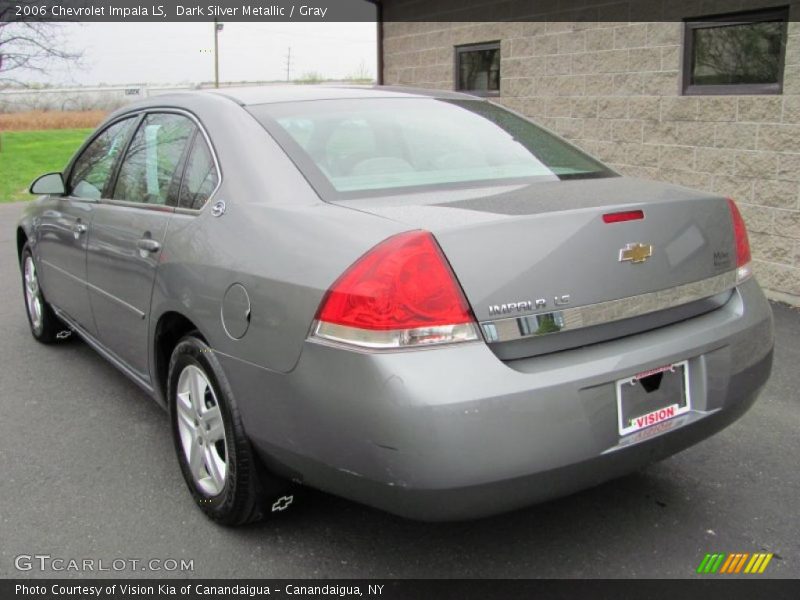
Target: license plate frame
{"type": "Point", "coordinates": [661, 409]}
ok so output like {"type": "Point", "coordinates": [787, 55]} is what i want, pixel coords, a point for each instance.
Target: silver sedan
{"type": "Point", "coordinates": [421, 301]}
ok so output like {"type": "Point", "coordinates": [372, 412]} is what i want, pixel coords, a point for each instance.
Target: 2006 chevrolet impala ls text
{"type": "Point", "coordinates": [421, 301]}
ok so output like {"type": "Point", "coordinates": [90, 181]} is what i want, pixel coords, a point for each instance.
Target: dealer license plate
{"type": "Point", "coordinates": [653, 397]}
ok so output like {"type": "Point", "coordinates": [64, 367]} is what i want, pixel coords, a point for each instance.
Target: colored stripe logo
{"type": "Point", "coordinates": [736, 562]}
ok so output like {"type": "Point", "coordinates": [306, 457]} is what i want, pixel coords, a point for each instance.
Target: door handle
{"type": "Point", "coordinates": [148, 245]}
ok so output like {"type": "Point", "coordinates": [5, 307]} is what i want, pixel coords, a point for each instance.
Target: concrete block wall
{"type": "Point", "coordinates": [613, 88]}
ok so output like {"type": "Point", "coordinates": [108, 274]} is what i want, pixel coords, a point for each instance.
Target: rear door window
{"type": "Point", "coordinates": [148, 171]}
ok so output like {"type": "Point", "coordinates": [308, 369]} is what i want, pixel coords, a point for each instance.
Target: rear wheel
{"type": "Point", "coordinates": [46, 327]}
{"type": "Point", "coordinates": [218, 463]}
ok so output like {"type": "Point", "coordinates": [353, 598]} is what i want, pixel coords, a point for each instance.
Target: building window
{"type": "Point", "coordinates": [735, 54]}
{"type": "Point", "coordinates": [478, 69]}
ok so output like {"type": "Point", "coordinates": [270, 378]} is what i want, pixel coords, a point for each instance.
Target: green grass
{"type": "Point", "coordinates": [24, 155]}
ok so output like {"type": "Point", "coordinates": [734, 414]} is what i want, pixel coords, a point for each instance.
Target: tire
{"type": "Point", "coordinates": [216, 458]}
{"type": "Point", "coordinates": [45, 325]}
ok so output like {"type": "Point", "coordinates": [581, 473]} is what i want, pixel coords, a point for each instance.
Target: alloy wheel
{"type": "Point", "coordinates": [202, 430]}
{"type": "Point", "coordinates": [33, 300]}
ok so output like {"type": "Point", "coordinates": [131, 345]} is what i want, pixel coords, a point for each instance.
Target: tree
{"type": "Point", "coordinates": [27, 44]}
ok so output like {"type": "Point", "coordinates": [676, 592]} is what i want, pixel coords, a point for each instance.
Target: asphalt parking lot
{"type": "Point", "coordinates": [88, 471]}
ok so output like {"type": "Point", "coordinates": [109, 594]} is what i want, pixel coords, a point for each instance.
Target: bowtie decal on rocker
{"type": "Point", "coordinates": [282, 503]}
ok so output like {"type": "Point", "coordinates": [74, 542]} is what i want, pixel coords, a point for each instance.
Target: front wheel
{"type": "Point", "coordinates": [46, 327]}
{"type": "Point", "coordinates": [217, 461]}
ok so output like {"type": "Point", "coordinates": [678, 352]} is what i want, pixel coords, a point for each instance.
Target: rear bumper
{"type": "Point", "coordinates": [455, 433]}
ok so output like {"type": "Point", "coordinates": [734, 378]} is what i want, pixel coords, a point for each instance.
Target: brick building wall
{"type": "Point", "coordinates": [614, 88]}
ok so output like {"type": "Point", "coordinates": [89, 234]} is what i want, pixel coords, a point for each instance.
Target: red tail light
{"type": "Point", "coordinates": [401, 293]}
{"type": "Point", "coordinates": [742, 243]}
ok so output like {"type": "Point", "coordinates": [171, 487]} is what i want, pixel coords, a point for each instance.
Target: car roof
{"type": "Point", "coordinates": [270, 94]}
{"type": "Point", "coordinates": [215, 99]}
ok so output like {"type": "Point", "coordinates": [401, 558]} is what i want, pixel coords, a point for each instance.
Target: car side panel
{"type": "Point", "coordinates": [62, 226]}
{"type": "Point", "coordinates": [276, 238]}
{"type": "Point", "coordinates": [121, 277]}
{"type": "Point", "coordinates": [284, 257]}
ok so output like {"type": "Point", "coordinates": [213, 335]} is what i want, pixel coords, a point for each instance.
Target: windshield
{"type": "Point", "coordinates": [368, 145]}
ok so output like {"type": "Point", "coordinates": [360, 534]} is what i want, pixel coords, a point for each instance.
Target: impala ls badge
{"type": "Point", "coordinates": [527, 305]}
{"type": "Point", "coordinates": [635, 252]}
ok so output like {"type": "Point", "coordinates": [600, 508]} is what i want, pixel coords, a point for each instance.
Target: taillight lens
{"type": "Point", "coordinates": [401, 293]}
{"type": "Point", "coordinates": [743, 266]}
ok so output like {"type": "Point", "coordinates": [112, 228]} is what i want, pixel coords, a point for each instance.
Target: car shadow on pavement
{"type": "Point", "coordinates": [608, 518]}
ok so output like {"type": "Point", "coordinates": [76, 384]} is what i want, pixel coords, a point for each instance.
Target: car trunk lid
{"type": "Point", "coordinates": [541, 259]}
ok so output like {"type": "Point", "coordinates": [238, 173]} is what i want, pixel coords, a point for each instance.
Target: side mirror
{"type": "Point", "coordinates": [51, 184]}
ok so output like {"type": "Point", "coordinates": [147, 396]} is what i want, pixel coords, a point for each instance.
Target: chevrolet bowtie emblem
{"type": "Point", "coordinates": [635, 252]}
{"type": "Point", "coordinates": [282, 503]}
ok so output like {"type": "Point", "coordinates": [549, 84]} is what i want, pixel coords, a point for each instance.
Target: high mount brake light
{"type": "Point", "coordinates": [402, 293]}
{"type": "Point", "coordinates": [744, 268]}
{"type": "Point", "coordinates": [625, 215]}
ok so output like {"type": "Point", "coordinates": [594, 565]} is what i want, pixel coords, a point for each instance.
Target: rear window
{"type": "Point", "coordinates": [350, 148]}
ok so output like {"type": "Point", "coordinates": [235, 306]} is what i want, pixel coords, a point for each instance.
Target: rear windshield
{"type": "Point", "coordinates": [350, 147]}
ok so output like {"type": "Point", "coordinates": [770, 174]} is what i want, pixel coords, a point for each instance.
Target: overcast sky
{"type": "Point", "coordinates": [117, 53]}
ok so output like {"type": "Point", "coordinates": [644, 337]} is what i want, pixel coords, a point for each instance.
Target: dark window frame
{"type": "Point", "coordinates": [739, 18]}
{"type": "Point", "coordinates": [466, 48]}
